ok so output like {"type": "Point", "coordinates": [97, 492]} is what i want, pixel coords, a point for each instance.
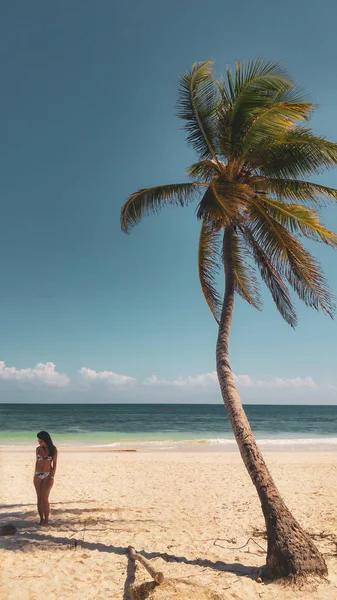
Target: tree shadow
{"type": "Point", "coordinates": [2, 506]}
{"type": "Point", "coordinates": [17, 515]}
{"type": "Point", "coordinates": [51, 504]}
{"type": "Point", "coordinates": [237, 568]}
{"type": "Point", "coordinates": [54, 511]}
{"type": "Point", "coordinates": [78, 511]}
{"type": "Point", "coordinates": [130, 578]}
{"type": "Point", "coordinates": [28, 521]}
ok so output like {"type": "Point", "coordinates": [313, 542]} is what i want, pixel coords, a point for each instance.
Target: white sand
{"type": "Point", "coordinates": [197, 508]}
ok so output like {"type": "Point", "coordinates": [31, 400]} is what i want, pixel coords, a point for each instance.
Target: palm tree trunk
{"type": "Point", "coordinates": [290, 550]}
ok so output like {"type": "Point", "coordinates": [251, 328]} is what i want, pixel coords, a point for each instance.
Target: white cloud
{"type": "Point", "coordinates": [203, 380]}
{"type": "Point", "coordinates": [153, 380]}
{"type": "Point", "coordinates": [276, 382]}
{"type": "Point", "coordinates": [42, 372]}
{"type": "Point", "coordinates": [46, 373]}
{"type": "Point", "coordinates": [109, 377]}
{"type": "Point", "coordinates": [206, 380]}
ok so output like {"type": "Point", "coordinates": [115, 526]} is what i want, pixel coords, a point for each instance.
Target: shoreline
{"type": "Point", "coordinates": [222, 446]}
{"type": "Point", "coordinates": [181, 449]}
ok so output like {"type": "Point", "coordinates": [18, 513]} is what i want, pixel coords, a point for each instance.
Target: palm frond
{"type": "Point", "coordinates": [257, 83]}
{"type": "Point", "coordinates": [299, 219]}
{"type": "Point", "coordinates": [291, 259]}
{"type": "Point", "coordinates": [221, 201]}
{"type": "Point", "coordinates": [256, 74]}
{"type": "Point", "coordinates": [198, 98]}
{"type": "Point", "coordinates": [246, 283]}
{"type": "Point", "coordinates": [272, 279]}
{"type": "Point", "coordinates": [224, 112]}
{"type": "Point", "coordinates": [204, 170]}
{"type": "Point", "coordinates": [294, 154]}
{"type": "Point", "coordinates": [300, 191]}
{"type": "Point", "coordinates": [294, 95]}
{"type": "Point", "coordinates": [273, 120]}
{"type": "Point", "coordinates": [151, 200]}
{"type": "Point", "coordinates": [208, 265]}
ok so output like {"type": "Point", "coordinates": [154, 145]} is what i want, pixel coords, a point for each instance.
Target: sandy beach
{"type": "Point", "coordinates": [194, 515]}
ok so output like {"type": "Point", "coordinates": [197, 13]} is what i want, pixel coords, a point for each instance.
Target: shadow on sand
{"type": "Point", "coordinates": [237, 568]}
{"type": "Point", "coordinates": [33, 505]}
{"type": "Point", "coordinates": [130, 578]}
{"type": "Point", "coordinates": [33, 533]}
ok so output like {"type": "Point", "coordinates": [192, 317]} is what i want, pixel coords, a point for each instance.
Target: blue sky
{"type": "Point", "coordinates": [88, 116]}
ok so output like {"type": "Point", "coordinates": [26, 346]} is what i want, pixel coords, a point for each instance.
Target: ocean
{"type": "Point", "coordinates": [164, 426]}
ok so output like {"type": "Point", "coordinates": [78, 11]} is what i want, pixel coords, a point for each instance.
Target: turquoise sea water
{"type": "Point", "coordinates": [163, 426]}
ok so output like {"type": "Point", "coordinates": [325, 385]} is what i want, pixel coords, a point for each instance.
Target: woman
{"type": "Point", "coordinates": [45, 467]}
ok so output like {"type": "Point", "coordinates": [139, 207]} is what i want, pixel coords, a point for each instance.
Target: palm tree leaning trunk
{"type": "Point", "coordinates": [290, 550]}
{"type": "Point", "coordinates": [254, 158]}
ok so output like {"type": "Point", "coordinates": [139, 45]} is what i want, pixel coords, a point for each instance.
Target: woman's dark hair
{"type": "Point", "coordinates": [45, 437]}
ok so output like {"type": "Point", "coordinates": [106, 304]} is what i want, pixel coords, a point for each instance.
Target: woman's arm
{"type": "Point", "coordinates": [36, 451]}
{"type": "Point", "coordinates": [53, 469]}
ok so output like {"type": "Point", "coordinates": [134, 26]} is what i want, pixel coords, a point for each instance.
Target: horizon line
{"type": "Point", "coordinates": [153, 404]}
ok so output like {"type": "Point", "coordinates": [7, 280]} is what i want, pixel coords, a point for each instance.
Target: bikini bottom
{"type": "Point", "coordinates": [42, 475]}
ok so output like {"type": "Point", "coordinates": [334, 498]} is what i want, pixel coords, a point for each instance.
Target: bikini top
{"type": "Point", "coordinates": [39, 457]}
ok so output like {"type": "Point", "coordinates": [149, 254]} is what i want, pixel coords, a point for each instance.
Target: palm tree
{"type": "Point", "coordinates": [255, 155]}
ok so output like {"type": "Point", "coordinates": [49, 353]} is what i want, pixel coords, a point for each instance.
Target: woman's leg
{"type": "Point", "coordinates": [38, 488]}
{"type": "Point", "coordinates": [47, 484]}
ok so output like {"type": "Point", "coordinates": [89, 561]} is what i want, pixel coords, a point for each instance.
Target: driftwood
{"type": "Point", "coordinates": [158, 576]}
{"type": "Point", "coordinates": [7, 529]}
